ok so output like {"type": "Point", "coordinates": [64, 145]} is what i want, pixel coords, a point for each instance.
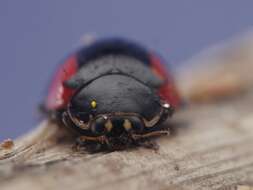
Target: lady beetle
{"type": "Point", "coordinates": [112, 93]}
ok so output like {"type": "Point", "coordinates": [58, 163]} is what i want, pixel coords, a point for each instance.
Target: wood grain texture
{"type": "Point", "coordinates": [211, 148]}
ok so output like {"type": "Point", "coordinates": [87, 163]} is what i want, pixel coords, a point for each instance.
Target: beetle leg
{"type": "Point", "coordinates": [150, 134]}
{"type": "Point", "coordinates": [143, 141]}
{"type": "Point", "coordinates": [66, 121]}
{"type": "Point", "coordinates": [90, 144]}
{"type": "Point", "coordinates": [82, 144]}
{"type": "Point", "coordinates": [101, 139]}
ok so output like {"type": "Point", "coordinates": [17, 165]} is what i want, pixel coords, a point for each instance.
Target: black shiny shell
{"type": "Point", "coordinates": [119, 93]}
{"type": "Point", "coordinates": [114, 64]}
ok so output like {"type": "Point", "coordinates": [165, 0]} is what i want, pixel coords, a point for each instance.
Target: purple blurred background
{"type": "Point", "coordinates": [36, 35]}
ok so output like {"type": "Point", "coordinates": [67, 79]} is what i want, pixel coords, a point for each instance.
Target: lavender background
{"type": "Point", "coordinates": [36, 35]}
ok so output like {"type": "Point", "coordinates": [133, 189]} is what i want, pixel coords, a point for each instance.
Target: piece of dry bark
{"type": "Point", "coordinates": [222, 71]}
{"type": "Point", "coordinates": [211, 148]}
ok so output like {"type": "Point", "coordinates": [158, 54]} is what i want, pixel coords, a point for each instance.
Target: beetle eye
{"type": "Point", "coordinates": [93, 104]}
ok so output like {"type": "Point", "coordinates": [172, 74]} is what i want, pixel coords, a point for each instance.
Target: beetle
{"type": "Point", "coordinates": [113, 93]}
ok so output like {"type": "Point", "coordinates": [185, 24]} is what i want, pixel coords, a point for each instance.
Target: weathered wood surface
{"type": "Point", "coordinates": [211, 147]}
{"type": "Point", "coordinates": [219, 71]}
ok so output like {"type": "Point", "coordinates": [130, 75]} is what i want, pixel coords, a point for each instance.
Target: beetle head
{"type": "Point", "coordinates": [114, 104]}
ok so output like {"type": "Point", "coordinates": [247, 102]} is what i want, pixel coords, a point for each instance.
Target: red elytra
{"type": "Point", "coordinates": [59, 95]}
{"type": "Point", "coordinates": [168, 90]}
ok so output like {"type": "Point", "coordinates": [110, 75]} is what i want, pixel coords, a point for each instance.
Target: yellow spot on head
{"type": "Point", "coordinates": [127, 124]}
{"type": "Point", "coordinates": [108, 125]}
{"type": "Point", "coordinates": [93, 104]}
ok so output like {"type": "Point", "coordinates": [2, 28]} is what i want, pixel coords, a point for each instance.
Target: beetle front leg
{"type": "Point", "coordinates": [101, 139]}
{"type": "Point", "coordinates": [91, 144]}
{"type": "Point", "coordinates": [144, 141]}
{"type": "Point", "coordinates": [149, 134]}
